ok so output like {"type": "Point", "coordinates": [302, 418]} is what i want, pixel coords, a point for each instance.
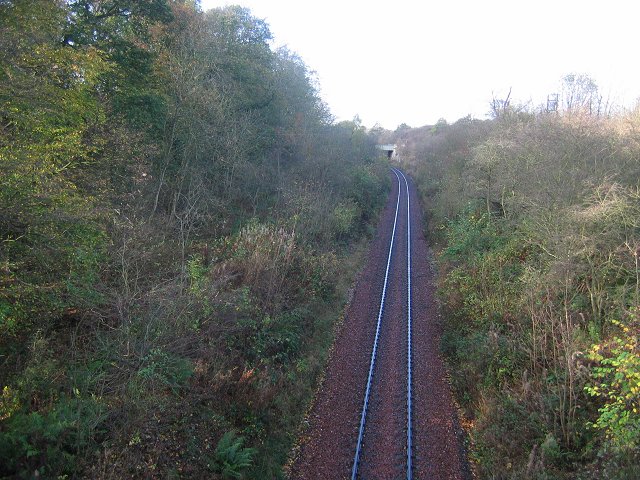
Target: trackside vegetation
{"type": "Point", "coordinates": [535, 216]}
{"type": "Point", "coordinates": [180, 220]}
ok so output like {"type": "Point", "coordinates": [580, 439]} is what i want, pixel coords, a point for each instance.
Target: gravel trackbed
{"type": "Point", "coordinates": [327, 450]}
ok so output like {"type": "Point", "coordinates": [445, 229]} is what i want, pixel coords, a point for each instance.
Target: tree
{"type": "Point", "coordinates": [500, 107]}
{"type": "Point", "coordinates": [580, 94]}
{"type": "Point", "coordinates": [48, 107]}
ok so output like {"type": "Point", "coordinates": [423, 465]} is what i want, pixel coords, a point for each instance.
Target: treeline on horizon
{"type": "Point", "coordinates": [535, 216]}
{"type": "Point", "coordinates": [180, 221]}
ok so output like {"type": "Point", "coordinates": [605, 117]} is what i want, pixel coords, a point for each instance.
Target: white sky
{"type": "Point", "coordinates": [417, 61]}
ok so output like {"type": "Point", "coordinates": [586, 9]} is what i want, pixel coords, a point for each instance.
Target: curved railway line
{"type": "Point", "coordinates": [384, 410]}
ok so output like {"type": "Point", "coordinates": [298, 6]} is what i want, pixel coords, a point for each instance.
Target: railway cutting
{"type": "Point", "coordinates": [385, 409]}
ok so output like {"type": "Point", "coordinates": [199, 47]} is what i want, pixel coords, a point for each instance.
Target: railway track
{"type": "Point", "coordinates": [384, 410]}
{"type": "Point", "coordinates": [403, 208]}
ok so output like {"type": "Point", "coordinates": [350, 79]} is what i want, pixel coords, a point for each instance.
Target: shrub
{"type": "Point", "coordinates": [161, 369]}
{"type": "Point", "coordinates": [616, 382]}
{"type": "Point", "coordinates": [231, 457]}
{"type": "Point", "coordinates": [538, 219]}
{"type": "Point", "coordinates": [49, 442]}
{"type": "Point", "coordinates": [345, 217]}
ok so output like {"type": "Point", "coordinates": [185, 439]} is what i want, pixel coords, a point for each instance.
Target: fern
{"type": "Point", "coordinates": [231, 457]}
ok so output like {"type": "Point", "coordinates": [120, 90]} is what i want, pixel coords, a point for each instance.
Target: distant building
{"type": "Point", "coordinates": [389, 149]}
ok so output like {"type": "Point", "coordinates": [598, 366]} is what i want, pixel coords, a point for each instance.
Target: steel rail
{"type": "Point", "coordinates": [409, 346]}
{"type": "Point", "coordinates": [363, 415]}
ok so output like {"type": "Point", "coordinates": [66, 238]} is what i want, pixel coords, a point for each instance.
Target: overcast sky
{"type": "Point", "coordinates": [417, 61]}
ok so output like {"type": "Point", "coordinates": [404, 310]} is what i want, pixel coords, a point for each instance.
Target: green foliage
{"type": "Point", "coordinates": [159, 368]}
{"type": "Point", "coordinates": [231, 457]}
{"type": "Point", "coordinates": [486, 279]}
{"type": "Point", "coordinates": [177, 213]}
{"type": "Point", "coordinates": [274, 341]}
{"type": "Point", "coordinates": [507, 429]}
{"type": "Point", "coordinates": [345, 216]}
{"type": "Point", "coordinates": [49, 443]}
{"type": "Point", "coordinates": [366, 185]}
{"type": "Point", "coordinates": [536, 216]}
{"type": "Point", "coordinates": [51, 246]}
{"type": "Point", "coordinates": [471, 234]}
{"type": "Point", "coordinates": [617, 383]}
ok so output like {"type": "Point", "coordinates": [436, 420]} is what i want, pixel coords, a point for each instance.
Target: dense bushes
{"type": "Point", "coordinates": [177, 214]}
{"type": "Point", "coordinates": [536, 218]}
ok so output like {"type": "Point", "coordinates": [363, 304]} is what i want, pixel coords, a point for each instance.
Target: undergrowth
{"type": "Point", "coordinates": [539, 282]}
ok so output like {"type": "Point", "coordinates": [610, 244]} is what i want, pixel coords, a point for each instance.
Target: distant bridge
{"type": "Point", "coordinates": [389, 149]}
